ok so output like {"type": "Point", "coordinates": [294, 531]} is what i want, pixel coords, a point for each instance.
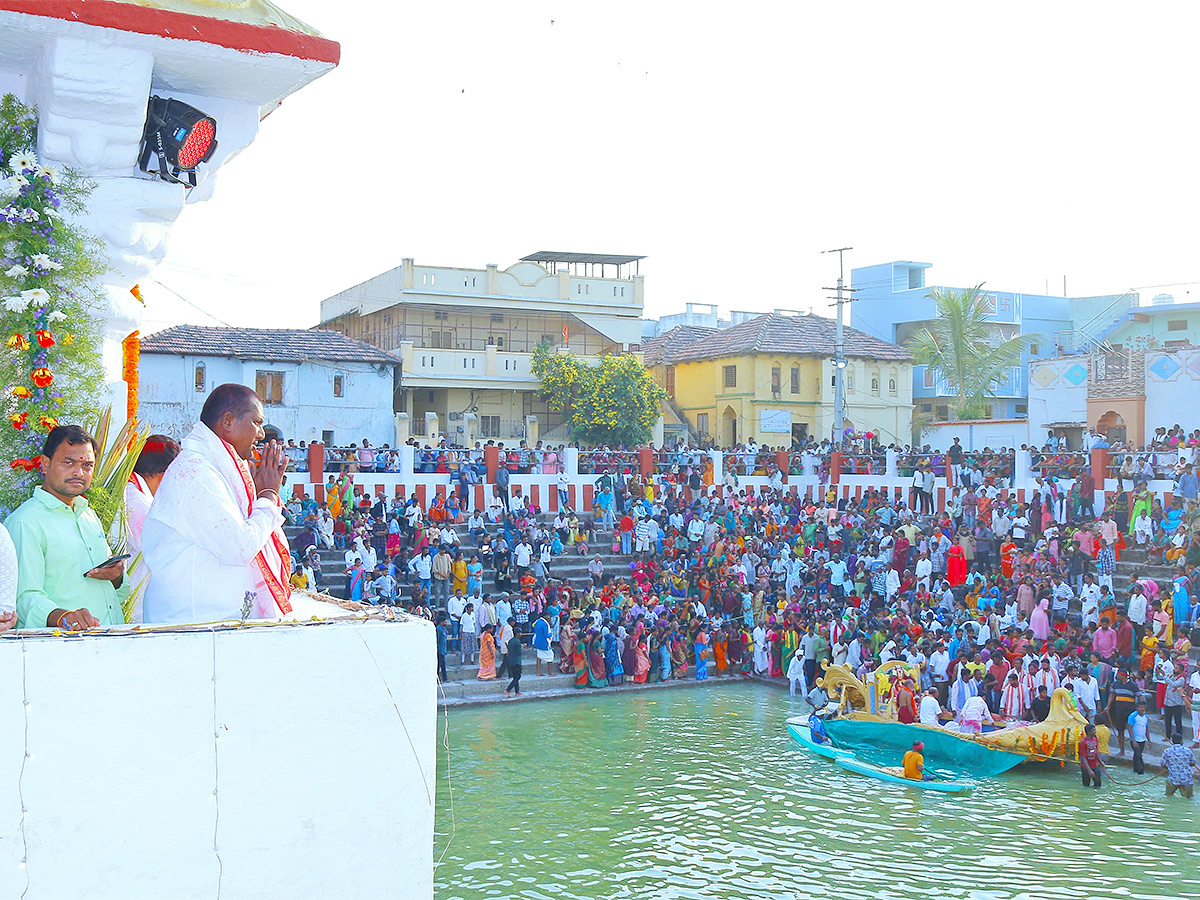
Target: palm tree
{"type": "Point", "coordinates": [962, 349]}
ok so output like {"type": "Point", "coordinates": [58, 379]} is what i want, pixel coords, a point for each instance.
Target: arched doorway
{"type": "Point", "coordinates": [1112, 426]}
{"type": "Point", "coordinates": [729, 427]}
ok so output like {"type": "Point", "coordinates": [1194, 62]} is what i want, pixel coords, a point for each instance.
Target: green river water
{"type": "Point", "coordinates": [701, 794]}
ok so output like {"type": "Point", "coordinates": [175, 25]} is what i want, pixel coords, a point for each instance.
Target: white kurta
{"type": "Point", "coordinates": [199, 542]}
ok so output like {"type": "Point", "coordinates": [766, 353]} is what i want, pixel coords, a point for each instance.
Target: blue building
{"type": "Point", "coordinates": [892, 300]}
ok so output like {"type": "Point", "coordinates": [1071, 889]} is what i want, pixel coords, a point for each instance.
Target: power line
{"type": "Point", "coordinates": [190, 303]}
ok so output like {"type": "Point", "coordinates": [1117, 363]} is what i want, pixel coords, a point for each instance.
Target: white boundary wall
{"type": "Point", "coordinates": [543, 489]}
{"type": "Point", "coordinates": [320, 790]}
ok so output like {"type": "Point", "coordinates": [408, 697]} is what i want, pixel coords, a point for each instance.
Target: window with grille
{"type": "Point", "coordinates": [443, 340]}
{"type": "Point", "coordinates": [795, 380]}
{"type": "Point", "coordinates": [928, 377]}
{"type": "Point", "coordinates": [199, 378]}
{"type": "Point", "coordinates": [892, 387]}
{"type": "Point", "coordinates": [489, 426]}
{"type": "Point", "coordinates": [339, 385]}
{"type": "Point", "coordinates": [875, 386]}
{"type": "Point", "coordinates": [776, 380]}
{"type": "Point", "coordinates": [702, 424]}
{"type": "Point", "coordinates": [943, 413]}
{"type": "Point", "coordinates": [730, 376]}
{"type": "Point", "coordinates": [1177, 325]}
{"type": "Point", "coordinates": [269, 387]}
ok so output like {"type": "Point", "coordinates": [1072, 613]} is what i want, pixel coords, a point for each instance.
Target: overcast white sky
{"type": "Point", "coordinates": [728, 143]}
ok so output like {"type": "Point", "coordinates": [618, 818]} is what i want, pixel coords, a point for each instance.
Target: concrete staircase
{"type": "Point", "coordinates": [569, 567]}
{"type": "Point", "coordinates": [462, 685]}
{"type": "Point", "coordinates": [1133, 562]}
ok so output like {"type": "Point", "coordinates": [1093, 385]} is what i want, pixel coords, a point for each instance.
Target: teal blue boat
{"type": "Point", "coordinates": [802, 735]}
{"type": "Point", "coordinates": [946, 754]}
{"type": "Point", "coordinates": [894, 776]}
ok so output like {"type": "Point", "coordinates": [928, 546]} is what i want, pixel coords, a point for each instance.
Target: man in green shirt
{"type": "Point", "coordinates": [60, 542]}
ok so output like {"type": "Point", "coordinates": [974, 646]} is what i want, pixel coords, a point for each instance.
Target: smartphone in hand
{"type": "Point", "coordinates": [108, 562]}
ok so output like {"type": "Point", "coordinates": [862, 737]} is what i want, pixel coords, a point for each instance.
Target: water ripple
{"type": "Point", "coordinates": [702, 795]}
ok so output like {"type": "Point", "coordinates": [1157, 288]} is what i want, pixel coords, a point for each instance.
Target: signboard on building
{"type": "Point", "coordinates": [775, 421]}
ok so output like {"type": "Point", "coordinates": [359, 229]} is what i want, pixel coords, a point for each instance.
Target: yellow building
{"type": "Point", "coordinates": [770, 378]}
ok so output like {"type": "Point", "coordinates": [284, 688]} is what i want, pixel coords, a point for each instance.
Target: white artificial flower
{"type": "Point", "coordinates": [50, 172]}
{"type": "Point", "coordinates": [37, 296]}
{"type": "Point", "coordinates": [17, 271]}
{"type": "Point", "coordinates": [43, 261]}
{"type": "Point", "coordinates": [29, 215]}
{"type": "Point", "coordinates": [15, 304]}
{"type": "Point", "coordinates": [55, 316]}
{"type": "Point", "coordinates": [53, 213]}
{"type": "Point", "coordinates": [23, 159]}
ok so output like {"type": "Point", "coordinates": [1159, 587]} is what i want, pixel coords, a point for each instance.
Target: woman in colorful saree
{"type": "Point", "coordinates": [702, 652]}
{"type": "Point", "coordinates": [642, 665]}
{"type": "Point", "coordinates": [487, 654]}
{"type": "Point", "coordinates": [612, 658]}
{"type": "Point", "coordinates": [595, 655]}
{"type": "Point", "coordinates": [579, 656]}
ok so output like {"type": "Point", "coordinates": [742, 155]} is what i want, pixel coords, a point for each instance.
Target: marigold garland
{"type": "Point", "coordinates": [132, 352]}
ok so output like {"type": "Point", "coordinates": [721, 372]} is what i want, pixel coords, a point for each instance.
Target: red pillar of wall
{"type": "Point", "coordinates": [646, 461]}
{"type": "Point", "coordinates": [835, 467]}
{"type": "Point", "coordinates": [781, 460]}
{"type": "Point", "coordinates": [316, 463]}
{"type": "Point", "coordinates": [1100, 459]}
{"type": "Point", "coordinates": [491, 461]}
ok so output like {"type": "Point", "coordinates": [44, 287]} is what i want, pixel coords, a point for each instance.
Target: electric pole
{"type": "Point", "coordinates": [839, 354]}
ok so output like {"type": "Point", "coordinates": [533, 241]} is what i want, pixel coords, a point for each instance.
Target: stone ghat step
{"type": "Point", "coordinates": [534, 688]}
{"type": "Point", "coordinates": [1161, 574]}
{"type": "Point", "coordinates": [474, 689]}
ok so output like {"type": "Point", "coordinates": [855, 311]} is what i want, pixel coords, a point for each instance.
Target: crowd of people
{"type": "Point", "coordinates": [995, 599]}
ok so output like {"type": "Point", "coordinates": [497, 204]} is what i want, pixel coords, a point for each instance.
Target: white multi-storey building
{"type": "Point", "coordinates": [466, 337]}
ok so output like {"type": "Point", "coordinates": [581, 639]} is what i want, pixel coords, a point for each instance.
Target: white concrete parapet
{"type": "Point", "coordinates": [274, 760]}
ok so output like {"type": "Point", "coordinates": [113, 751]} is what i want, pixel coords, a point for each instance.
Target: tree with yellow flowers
{"type": "Point", "coordinates": [614, 402]}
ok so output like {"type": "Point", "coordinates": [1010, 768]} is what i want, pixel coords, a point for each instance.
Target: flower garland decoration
{"type": "Point", "coordinates": [131, 349]}
{"type": "Point", "coordinates": [50, 368]}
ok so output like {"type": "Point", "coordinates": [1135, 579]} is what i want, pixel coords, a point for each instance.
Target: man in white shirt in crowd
{"type": "Point", "coordinates": [1087, 694]}
{"type": "Point", "coordinates": [939, 670]}
{"type": "Point", "coordinates": [522, 555]}
{"type": "Point", "coordinates": [1089, 598]}
{"type": "Point", "coordinates": [1020, 527]}
{"type": "Point", "coordinates": [930, 708]}
{"type": "Point", "coordinates": [1061, 597]}
{"type": "Point", "coordinates": [1137, 610]}
{"type": "Point", "coordinates": [213, 538]}
{"type": "Point", "coordinates": [454, 608]}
